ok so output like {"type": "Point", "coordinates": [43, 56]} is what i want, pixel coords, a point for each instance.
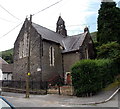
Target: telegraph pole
{"type": "Point", "coordinates": [28, 67]}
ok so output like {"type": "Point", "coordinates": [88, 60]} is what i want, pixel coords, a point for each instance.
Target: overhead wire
{"type": "Point", "coordinates": [19, 19]}
{"type": "Point", "coordinates": [6, 20]}
{"type": "Point", "coordinates": [11, 30]}
{"type": "Point", "coordinates": [9, 12]}
{"type": "Point", "coordinates": [32, 15]}
{"type": "Point", "coordinates": [47, 7]}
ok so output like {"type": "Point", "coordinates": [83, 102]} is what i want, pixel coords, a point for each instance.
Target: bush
{"type": "Point", "coordinates": [90, 76]}
{"type": "Point", "coordinates": [109, 51]}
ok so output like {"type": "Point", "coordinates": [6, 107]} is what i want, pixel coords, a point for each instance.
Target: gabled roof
{"type": "Point", "coordinates": [2, 61]}
{"type": "Point", "coordinates": [73, 43]}
{"type": "Point", "coordinates": [48, 34]}
{"type": "Point", "coordinates": [70, 43]}
{"type": "Point", "coordinates": [7, 68]}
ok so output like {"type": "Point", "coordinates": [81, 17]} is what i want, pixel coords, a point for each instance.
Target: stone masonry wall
{"type": "Point", "coordinates": [39, 57]}
{"type": "Point", "coordinates": [70, 59]}
{"type": "Point", "coordinates": [51, 72]}
{"type": "Point", "coordinates": [21, 64]}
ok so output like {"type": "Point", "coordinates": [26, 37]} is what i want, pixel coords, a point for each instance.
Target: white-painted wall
{"type": "Point", "coordinates": [5, 76]}
{"type": "Point", "coordinates": [1, 75]}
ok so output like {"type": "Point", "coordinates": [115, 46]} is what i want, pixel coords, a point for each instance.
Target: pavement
{"type": "Point", "coordinates": [55, 100]}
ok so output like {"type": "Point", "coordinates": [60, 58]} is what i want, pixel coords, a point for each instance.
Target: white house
{"type": "Point", "coordinates": [1, 75]}
{"type": "Point", "coordinates": [5, 70]}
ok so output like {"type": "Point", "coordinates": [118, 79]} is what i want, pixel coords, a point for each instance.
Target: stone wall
{"type": "Point", "coordinates": [70, 59]}
{"type": "Point", "coordinates": [86, 51]}
{"type": "Point", "coordinates": [39, 57]}
{"type": "Point", "coordinates": [21, 62]}
{"type": "Point", "coordinates": [51, 72]}
{"type": "Point", "coordinates": [87, 48]}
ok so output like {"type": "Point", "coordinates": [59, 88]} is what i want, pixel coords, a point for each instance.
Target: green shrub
{"type": "Point", "coordinates": [90, 76]}
{"type": "Point", "coordinates": [109, 51]}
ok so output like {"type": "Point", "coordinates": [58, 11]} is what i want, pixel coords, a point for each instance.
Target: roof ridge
{"type": "Point", "coordinates": [46, 28]}
{"type": "Point", "coordinates": [76, 35]}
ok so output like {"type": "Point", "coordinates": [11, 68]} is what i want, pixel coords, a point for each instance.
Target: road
{"type": "Point", "coordinates": [52, 100]}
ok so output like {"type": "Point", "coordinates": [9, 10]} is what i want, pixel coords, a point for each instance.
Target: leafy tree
{"type": "Point", "coordinates": [109, 51]}
{"type": "Point", "coordinates": [108, 23]}
{"type": "Point", "coordinates": [7, 55]}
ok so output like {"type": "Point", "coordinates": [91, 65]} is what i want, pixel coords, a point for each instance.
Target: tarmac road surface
{"type": "Point", "coordinates": [54, 100]}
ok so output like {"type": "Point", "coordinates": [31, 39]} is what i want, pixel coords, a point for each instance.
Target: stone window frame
{"type": "Point", "coordinates": [52, 55]}
{"type": "Point", "coordinates": [23, 46]}
{"type": "Point", "coordinates": [20, 49]}
{"type": "Point", "coordinates": [87, 54]}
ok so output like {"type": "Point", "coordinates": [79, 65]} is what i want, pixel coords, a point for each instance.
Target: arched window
{"type": "Point", "coordinates": [52, 57]}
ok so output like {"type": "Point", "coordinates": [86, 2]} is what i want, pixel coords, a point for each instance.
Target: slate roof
{"type": "Point", "coordinates": [48, 34]}
{"type": "Point", "coordinates": [70, 43]}
{"type": "Point", "coordinates": [7, 68]}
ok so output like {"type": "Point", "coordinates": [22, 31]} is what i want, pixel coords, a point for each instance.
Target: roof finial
{"type": "Point", "coordinates": [60, 14]}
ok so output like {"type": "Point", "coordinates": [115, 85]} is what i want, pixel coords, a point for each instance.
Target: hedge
{"type": "Point", "coordinates": [90, 76]}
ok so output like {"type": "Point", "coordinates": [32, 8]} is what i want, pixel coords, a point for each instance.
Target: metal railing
{"type": "Point", "coordinates": [34, 86]}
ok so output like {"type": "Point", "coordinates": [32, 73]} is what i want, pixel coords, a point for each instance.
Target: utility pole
{"type": "Point", "coordinates": [28, 67]}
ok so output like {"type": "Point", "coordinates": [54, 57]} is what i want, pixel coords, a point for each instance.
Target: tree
{"type": "Point", "coordinates": [108, 23]}
{"type": "Point", "coordinates": [109, 51]}
{"type": "Point", "coordinates": [7, 56]}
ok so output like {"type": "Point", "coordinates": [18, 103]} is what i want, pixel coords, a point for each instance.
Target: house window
{"type": "Point", "coordinates": [51, 54]}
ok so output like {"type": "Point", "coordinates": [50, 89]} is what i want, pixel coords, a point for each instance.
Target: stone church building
{"type": "Point", "coordinates": [50, 54]}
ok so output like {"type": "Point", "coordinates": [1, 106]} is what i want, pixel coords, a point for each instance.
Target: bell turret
{"type": "Point", "coordinates": [61, 27]}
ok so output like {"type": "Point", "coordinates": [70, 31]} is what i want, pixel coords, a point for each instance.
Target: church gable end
{"type": "Point", "coordinates": [27, 42]}
{"type": "Point", "coordinates": [87, 48]}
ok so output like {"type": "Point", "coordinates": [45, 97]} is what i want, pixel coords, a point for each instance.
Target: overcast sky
{"type": "Point", "coordinates": [76, 13]}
